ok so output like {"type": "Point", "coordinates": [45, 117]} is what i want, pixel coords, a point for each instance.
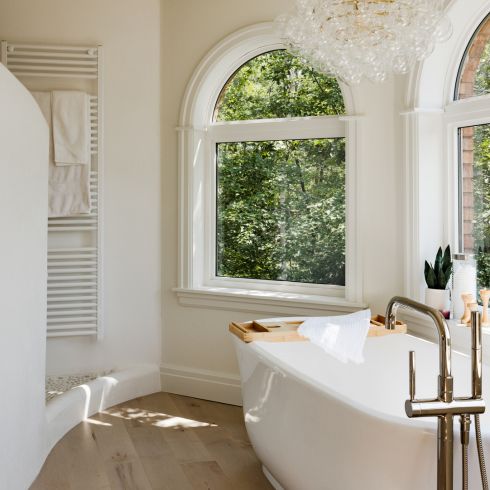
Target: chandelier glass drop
{"type": "Point", "coordinates": [356, 39]}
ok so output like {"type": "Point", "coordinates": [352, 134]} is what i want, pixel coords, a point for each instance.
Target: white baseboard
{"type": "Point", "coordinates": [201, 383]}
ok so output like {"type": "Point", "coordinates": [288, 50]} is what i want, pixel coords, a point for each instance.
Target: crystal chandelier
{"type": "Point", "coordinates": [356, 39]}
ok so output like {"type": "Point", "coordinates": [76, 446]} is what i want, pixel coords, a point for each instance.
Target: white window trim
{"type": "Point", "coordinates": [459, 114]}
{"type": "Point", "coordinates": [298, 128]}
{"type": "Point", "coordinates": [430, 127]}
{"type": "Point", "coordinates": [198, 135]}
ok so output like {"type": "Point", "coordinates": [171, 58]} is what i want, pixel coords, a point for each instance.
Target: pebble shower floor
{"type": "Point", "coordinates": [57, 385]}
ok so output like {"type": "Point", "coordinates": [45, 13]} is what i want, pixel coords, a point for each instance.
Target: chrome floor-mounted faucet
{"type": "Point", "coordinates": [445, 406]}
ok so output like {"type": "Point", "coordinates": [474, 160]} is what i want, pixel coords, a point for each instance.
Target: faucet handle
{"type": "Point", "coordinates": [411, 363]}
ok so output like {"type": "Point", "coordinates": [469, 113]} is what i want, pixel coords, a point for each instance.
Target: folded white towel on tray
{"type": "Point", "coordinates": [71, 127]}
{"type": "Point", "coordinates": [343, 337]}
{"type": "Point", "coordinates": [69, 186]}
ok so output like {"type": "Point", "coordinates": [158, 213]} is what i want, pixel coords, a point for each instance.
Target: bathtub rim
{"type": "Point", "coordinates": [278, 364]}
{"type": "Point", "coordinates": [271, 478]}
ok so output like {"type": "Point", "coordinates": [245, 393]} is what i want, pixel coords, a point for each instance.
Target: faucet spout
{"type": "Point", "coordinates": [445, 387]}
{"type": "Point", "coordinates": [445, 407]}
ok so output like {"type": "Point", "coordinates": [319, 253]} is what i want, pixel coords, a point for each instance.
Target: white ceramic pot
{"type": "Point", "coordinates": [440, 299]}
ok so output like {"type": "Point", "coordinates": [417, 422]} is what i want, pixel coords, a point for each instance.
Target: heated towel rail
{"type": "Point", "coordinates": [74, 242]}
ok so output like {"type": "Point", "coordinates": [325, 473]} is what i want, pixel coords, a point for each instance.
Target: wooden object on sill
{"type": "Point", "coordinates": [287, 331]}
{"type": "Point", "coordinates": [467, 300]}
{"type": "Point", "coordinates": [485, 297]}
{"type": "Point", "coordinates": [471, 307]}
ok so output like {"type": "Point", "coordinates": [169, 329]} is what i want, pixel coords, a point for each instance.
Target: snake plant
{"type": "Point", "coordinates": [437, 276]}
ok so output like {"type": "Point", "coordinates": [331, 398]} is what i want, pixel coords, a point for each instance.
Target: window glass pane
{"type": "Point", "coordinates": [278, 85]}
{"type": "Point", "coordinates": [474, 77]}
{"type": "Point", "coordinates": [475, 197]}
{"type": "Point", "coordinates": [281, 210]}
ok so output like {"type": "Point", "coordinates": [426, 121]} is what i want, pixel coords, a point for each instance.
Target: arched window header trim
{"type": "Point", "coordinates": [432, 84]}
{"type": "Point", "coordinates": [219, 65]}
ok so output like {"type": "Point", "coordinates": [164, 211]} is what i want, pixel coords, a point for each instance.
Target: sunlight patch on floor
{"type": "Point", "coordinates": [97, 422]}
{"type": "Point", "coordinates": [157, 419]}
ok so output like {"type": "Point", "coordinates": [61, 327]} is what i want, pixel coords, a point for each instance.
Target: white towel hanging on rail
{"type": "Point", "coordinates": [69, 185]}
{"type": "Point", "coordinates": [70, 112]}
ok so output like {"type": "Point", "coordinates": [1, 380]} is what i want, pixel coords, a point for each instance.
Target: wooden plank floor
{"type": "Point", "coordinates": [159, 442]}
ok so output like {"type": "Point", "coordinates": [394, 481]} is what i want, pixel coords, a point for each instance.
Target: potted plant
{"type": "Point", "coordinates": [437, 277]}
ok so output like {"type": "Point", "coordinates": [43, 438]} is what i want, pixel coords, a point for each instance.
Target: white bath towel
{"type": "Point", "coordinates": [69, 186]}
{"type": "Point", "coordinates": [71, 127]}
{"type": "Point", "coordinates": [343, 337]}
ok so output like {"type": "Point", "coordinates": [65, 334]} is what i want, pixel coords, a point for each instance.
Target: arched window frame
{"type": "Point", "coordinates": [198, 135]}
{"type": "Point", "coordinates": [431, 122]}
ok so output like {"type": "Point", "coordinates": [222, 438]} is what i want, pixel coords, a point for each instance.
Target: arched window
{"type": "Point", "coordinates": [266, 161]}
{"type": "Point", "coordinates": [280, 209]}
{"type": "Point", "coordinates": [446, 142]}
{"type": "Point", "coordinates": [474, 151]}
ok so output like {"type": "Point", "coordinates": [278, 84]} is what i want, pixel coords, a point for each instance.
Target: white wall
{"type": "Point", "coordinates": [196, 345]}
{"type": "Point", "coordinates": [23, 212]}
{"type": "Point", "coordinates": [140, 200]}
{"type": "Point", "coordinates": [129, 30]}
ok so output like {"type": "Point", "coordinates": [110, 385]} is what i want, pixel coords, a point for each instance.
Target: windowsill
{"type": "Point", "coordinates": [276, 303]}
{"type": "Point", "coordinates": [460, 334]}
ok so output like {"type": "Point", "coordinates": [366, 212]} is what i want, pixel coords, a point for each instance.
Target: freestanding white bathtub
{"type": "Point", "coordinates": [318, 424]}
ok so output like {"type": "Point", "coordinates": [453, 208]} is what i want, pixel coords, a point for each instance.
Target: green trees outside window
{"type": "Point", "coordinates": [278, 85]}
{"type": "Point", "coordinates": [481, 196]}
{"type": "Point", "coordinates": [482, 176]}
{"type": "Point", "coordinates": [280, 203]}
{"type": "Point", "coordinates": [482, 75]}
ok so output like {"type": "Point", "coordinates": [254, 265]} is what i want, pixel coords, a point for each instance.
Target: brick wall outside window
{"type": "Point", "coordinates": [466, 89]}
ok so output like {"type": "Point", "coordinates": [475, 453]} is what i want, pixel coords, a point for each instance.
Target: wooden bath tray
{"type": "Point", "coordinates": [288, 331]}
{"type": "Point", "coordinates": [267, 331]}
